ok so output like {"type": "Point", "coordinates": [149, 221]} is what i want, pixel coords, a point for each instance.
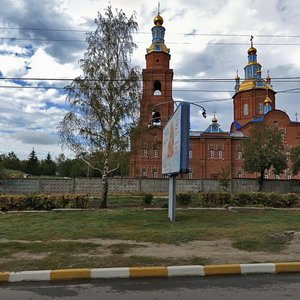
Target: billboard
{"type": "Point", "coordinates": [176, 141]}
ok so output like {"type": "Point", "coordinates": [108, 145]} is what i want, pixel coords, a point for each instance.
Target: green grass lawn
{"type": "Point", "coordinates": [251, 231]}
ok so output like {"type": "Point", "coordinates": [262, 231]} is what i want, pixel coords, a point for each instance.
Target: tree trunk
{"type": "Point", "coordinates": [261, 181]}
{"type": "Point", "coordinates": [103, 203]}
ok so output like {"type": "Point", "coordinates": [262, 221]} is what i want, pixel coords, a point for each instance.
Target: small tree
{"type": "Point", "coordinates": [32, 164]}
{"type": "Point", "coordinates": [104, 101]}
{"type": "Point", "coordinates": [48, 166]}
{"type": "Point", "coordinates": [264, 150]}
{"type": "Point", "coordinates": [224, 178]}
{"type": "Point", "coordinates": [295, 158]}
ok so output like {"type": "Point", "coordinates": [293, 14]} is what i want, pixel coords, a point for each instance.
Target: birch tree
{"type": "Point", "coordinates": [104, 100]}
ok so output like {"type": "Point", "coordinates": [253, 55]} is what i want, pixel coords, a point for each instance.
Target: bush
{"type": "Point", "coordinates": [184, 199]}
{"type": "Point", "coordinates": [215, 199]}
{"type": "Point", "coordinates": [42, 202]}
{"type": "Point", "coordinates": [264, 199]}
{"type": "Point", "coordinates": [148, 198]}
{"type": "Point", "coordinates": [291, 199]}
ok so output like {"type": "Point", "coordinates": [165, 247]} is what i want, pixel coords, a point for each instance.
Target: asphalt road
{"type": "Point", "coordinates": [249, 287]}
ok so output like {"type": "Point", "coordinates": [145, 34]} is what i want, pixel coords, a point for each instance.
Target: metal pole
{"type": "Point", "coordinates": [172, 197]}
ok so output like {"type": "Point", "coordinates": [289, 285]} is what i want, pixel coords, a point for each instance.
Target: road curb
{"type": "Point", "coordinates": [139, 272]}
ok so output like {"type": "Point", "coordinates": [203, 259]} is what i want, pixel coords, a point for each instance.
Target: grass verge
{"type": "Point", "coordinates": [44, 235]}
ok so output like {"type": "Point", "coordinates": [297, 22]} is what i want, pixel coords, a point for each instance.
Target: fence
{"type": "Point", "coordinates": [139, 185]}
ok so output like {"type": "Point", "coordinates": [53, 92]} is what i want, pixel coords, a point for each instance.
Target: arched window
{"type": "Point", "coordinates": [246, 109]}
{"type": "Point", "coordinates": [157, 88]}
{"type": "Point", "coordinates": [155, 173]}
{"type": "Point", "coordinates": [156, 120]}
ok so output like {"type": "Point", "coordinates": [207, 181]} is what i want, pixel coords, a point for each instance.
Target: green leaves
{"type": "Point", "coordinates": [264, 150]}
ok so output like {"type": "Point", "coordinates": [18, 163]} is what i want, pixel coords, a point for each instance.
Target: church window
{"type": "Point", "coordinates": [246, 109]}
{"type": "Point", "coordinates": [250, 72]}
{"type": "Point", "coordinates": [144, 152]}
{"type": "Point", "coordinates": [157, 88]}
{"type": "Point", "coordinates": [260, 108]}
{"type": "Point", "coordinates": [239, 155]}
{"type": "Point", "coordinates": [220, 154]}
{"type": "Point", "coordinates": [157, 48]}
{"type": "Point", "coordinates": [156, 117]}
{"type": "Point", "coordinates": [155, 173]}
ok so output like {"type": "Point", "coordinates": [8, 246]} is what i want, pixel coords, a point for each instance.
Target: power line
{"type": "Point", "coordinates": [41, 29]}
{"type": "Point", "coordinates": [289, 91]}
{"type": "Point", "coordinates": [62, 88]}
{"type": "Point", "coordinates": [12, 39]}
{"type": "Point", "coordinates": [189, 80]}
{"type": "Point", "coordinates": [149, 33]}
{"type": "Point", "coordinates": [41, 40]}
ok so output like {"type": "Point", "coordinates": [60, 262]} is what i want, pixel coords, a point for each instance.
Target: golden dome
{"type": "Point", "coordinates": [214, 119]}
{"type": "Point", "coordinates": [158, 20]}
{"type": "Point", "coordinates": [252, 50]}
{"type": "Point", "coordinates": [267, 101]}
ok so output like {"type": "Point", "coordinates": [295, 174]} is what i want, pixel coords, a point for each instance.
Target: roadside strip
{"type": "Point", "coordinates": [138, 272]}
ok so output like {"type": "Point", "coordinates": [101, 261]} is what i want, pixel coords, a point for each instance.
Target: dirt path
{"type": "Point", "coordinates": [217, 252]}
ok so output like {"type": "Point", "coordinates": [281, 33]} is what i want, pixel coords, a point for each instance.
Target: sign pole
{"type": "Point", "coordinates": [172, 198]}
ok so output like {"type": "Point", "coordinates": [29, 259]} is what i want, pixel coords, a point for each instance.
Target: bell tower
{"type": "Point", "coordinates": [156, 106]}
{"type": "Point", "coordinates": [157, 102]}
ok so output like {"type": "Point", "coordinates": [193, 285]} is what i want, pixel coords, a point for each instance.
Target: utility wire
{"type": "Point", "coordinates": [189, 80]}
{"type": "Point", "coordinates": [149, 33]}
{"type": "Point", "coordinates": [12, 39]}
{"type": "Point", "coordinates": [289, 91]}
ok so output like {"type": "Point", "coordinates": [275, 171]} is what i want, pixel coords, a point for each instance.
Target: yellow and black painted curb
{"type": "Point", "coordinates": [138, 272]}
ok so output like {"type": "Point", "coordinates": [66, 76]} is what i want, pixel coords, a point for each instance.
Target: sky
{"type": "Point", "coordinates": [208, 39]}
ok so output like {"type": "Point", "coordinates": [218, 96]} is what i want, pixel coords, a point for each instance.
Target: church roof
{"type": "Point", "coordinates": [158, 34]}
{"type": "Point", "coordinates": [214, 126]}
{"type": "Point", "coordinates": [253, 79]}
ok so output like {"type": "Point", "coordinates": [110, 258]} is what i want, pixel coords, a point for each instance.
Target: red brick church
{"type": "Point", "coordinates": [213, 149]}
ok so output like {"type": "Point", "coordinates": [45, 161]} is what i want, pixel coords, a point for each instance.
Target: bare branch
{"type": "Point", "coordinates": [112, 170]}
{"type": "Point", "coordinates": [93, 167]}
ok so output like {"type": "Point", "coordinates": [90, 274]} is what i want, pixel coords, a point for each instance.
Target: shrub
{"type": "Point", "coordinates": [215, 199]}
{"type": "Point", "coordinates": [241, 199]}
{"type": "Point", "coordinates": [184, 199]}
{"type": "Point", "coordinates": [264, 199]}
{"type": "Point", "coordinates": [148, 198]}
{"type": "Point", "coordinates": [291, 199]}
{"type": "Point", "coordinates": [42, 202]}
{"type": "Point", "coordinates": [275, 200]}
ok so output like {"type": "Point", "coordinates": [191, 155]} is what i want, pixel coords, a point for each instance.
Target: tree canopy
{"type": "Point", "coordinates": [263, 150]}
{"type": "Point", "coordinates": [104, 100]}
{"type": "Point", "coordinates": [295, 157]}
